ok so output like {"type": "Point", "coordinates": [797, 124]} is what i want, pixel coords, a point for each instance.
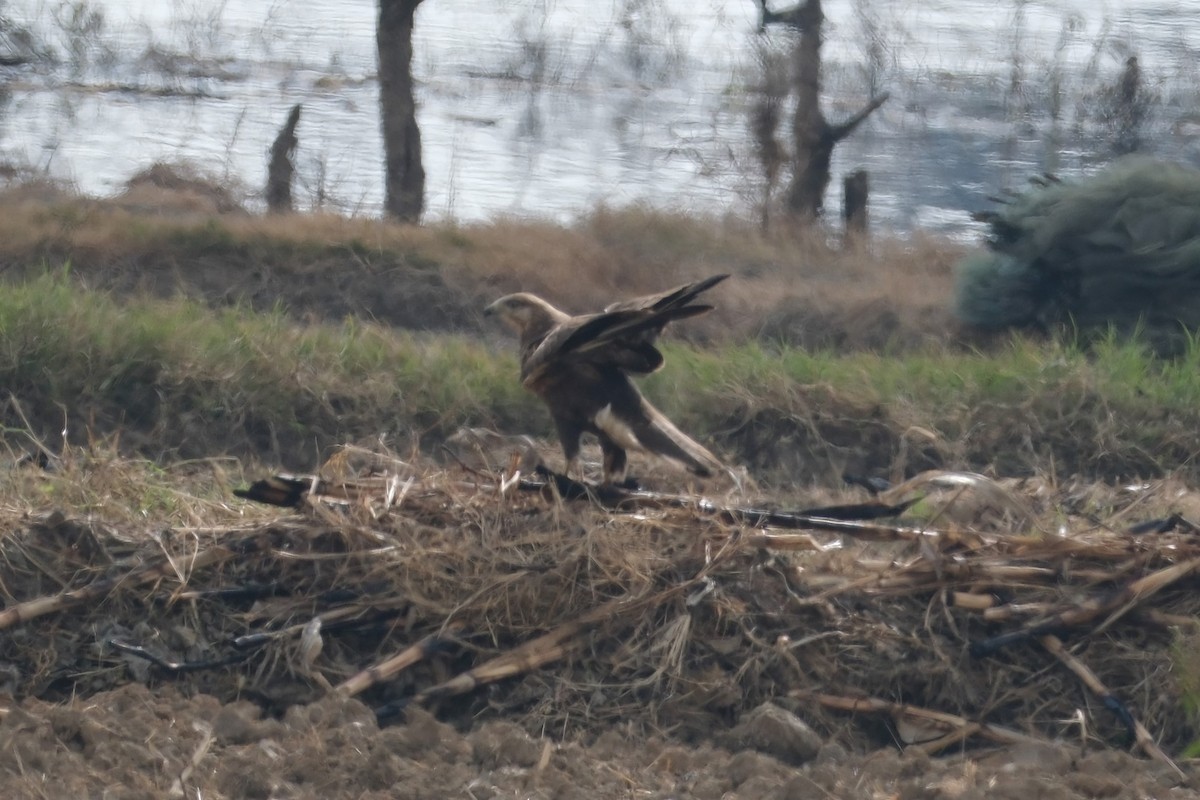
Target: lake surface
{"type": "Point", "coordinates": [550, 108]}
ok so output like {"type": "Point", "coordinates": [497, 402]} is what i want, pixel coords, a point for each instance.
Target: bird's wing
{"type": "Point", "coordinates": [621, 337]}
{"type": "Point", "coordinates": [602, 339]}
{"type": "Point", "coordinates": [617, 339]}
{"type": "Point", "coordinates": [679, 296]}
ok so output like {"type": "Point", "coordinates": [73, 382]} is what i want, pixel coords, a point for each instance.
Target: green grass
{"type": "Point", "coordinates": [200, 381]}
{"type": "Point", "coordinates": [179, 379]}
{"type": "Point", "coordinates": [1110, 411]}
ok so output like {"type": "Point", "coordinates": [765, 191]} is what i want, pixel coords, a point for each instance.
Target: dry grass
{"type": "Point", "coordinates": [572, 617]}
{"type": "Point", "coordinates": [164, 234]}
{"type": "Point", "coordinates": [175, 189]}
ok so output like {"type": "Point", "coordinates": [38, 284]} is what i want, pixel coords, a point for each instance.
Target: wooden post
{"type": "Point", "coordinates": [856, 187]}
{"type": "Point", "coordinates": [280, 168]}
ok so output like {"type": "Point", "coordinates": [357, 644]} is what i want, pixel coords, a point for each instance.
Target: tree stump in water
{"type": "Point", "coordinates": [856, 188]}
{"type": "Point", "coordinates": [404, 174]}
{"type": "Point", "coordinates": [280, 168]}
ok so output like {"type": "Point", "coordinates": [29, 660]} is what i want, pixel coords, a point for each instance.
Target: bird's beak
{"type": "Point", "coordinates": [490, 311]}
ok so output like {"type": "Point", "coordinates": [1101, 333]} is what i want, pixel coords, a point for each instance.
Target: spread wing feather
{"type": "Point", "coordinates": [622, 336]}
{"type": "Point", "coordinates": [680, 295]}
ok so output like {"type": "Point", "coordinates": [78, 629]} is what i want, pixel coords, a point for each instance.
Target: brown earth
{"type": "Point", "coordinates": [570, 651]}
{"type": "Point", "coordinates": [138, 742]}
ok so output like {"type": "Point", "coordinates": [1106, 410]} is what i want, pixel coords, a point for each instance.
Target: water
{"type": "Point", "coordinates": [550, 108]}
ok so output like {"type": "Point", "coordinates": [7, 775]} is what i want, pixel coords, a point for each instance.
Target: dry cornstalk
{"type": "Point", "coordinates": [1115, 604]}
{"type": "Point", "coordinates": [973, 601]}
{"type": "Point", "coordinates": [532, 654]}
{"type": "Point", "coordinates": [1002, 574]}
{"type": "Point", "coordinates": [1144, 588]}
{"type": "Point", "coordinates": [976, 572]}
{"type": "Point", "coordinates": [1010, 610]}
{"type": "Point", "coordinates": [98, 590]}
{"type": "Point", "coordinates": [957, 728]}
{"type": "Point", "coordinates": [949, 740]}
{"type": "Point", "coordinates": [1092, 682]}
{"type": "Point", "coordinates": [785, 541]}
{"type": "Point", "coordinates": [177, 786]}
{"type": "Point", "coordinates": [923, 575]}
{"type": "Point", "coordinates": [381, 673]}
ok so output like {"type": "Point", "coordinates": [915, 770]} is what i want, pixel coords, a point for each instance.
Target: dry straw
{"type": "Point", "coordinates": [990, 611]}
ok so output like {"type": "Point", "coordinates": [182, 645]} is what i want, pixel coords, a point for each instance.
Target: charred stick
{"type": "Point", "coordinates": [176, 667]}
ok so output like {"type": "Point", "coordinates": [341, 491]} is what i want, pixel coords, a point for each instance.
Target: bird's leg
{"type": "Point", "coordinates": [615, 462]}
{"type": "Point", "coordinates": [569, 433]}
{"type": "Point", "coordinates": [572, 470]}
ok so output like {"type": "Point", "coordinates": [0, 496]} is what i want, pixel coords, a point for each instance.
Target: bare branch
{"type": "Point", "coordinates": [839, 132]}
{"type": "Point", "coordinates": [803, 16]}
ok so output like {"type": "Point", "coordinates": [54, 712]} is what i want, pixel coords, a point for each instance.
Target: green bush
{"type": "Point", "coordinates": [1120, 249]}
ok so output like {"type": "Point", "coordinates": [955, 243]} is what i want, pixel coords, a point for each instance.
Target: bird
{"type": "Point", "coordinates": [580, 366]}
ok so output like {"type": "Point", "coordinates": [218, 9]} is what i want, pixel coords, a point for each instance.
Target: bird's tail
{"type": "Point", "coordinates": [659, 435]}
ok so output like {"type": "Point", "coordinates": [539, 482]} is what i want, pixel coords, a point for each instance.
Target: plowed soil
{"type": "Point", "coordinates": [698, 694]}
{"type": "Point", "coordinates": [138, 742]}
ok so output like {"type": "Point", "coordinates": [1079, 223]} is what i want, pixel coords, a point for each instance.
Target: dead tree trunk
{"type": "Point", "coordinates": [765, 117]}
{"type": "Point", "coordinates": [1130, 104]}
{"type": "Point", "coordinates": [280, 168]}
{"type": "Point", "coordinates": [404, 181]}
{"type": "Point", "coordinates": [813, 137]}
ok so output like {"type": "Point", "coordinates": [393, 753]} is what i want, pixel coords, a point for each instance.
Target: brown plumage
{"type": "Point", "coordinates": [580, 367]}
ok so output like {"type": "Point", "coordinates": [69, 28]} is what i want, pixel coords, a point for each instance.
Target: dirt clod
{"type": "Point", "coordinates": [238, 723]}
{"type": "Point", "coordinates": [136, 742]}
{"type": "Point", "coordinates": [775, 731]}
{"type": "Point", "coordinates": [504, 745]}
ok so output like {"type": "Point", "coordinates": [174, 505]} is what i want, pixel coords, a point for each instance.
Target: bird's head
{"type": "Point", "coordinates": [522, 311]}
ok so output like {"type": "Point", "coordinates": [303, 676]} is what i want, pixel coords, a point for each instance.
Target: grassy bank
{"type": "Point", "coordinates": [790, 286]}
{"type": "Point", "coordinates": [177, 378]}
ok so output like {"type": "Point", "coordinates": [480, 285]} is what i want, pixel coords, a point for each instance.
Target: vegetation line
{"type": "Point", "coordinates": [188, 380]}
